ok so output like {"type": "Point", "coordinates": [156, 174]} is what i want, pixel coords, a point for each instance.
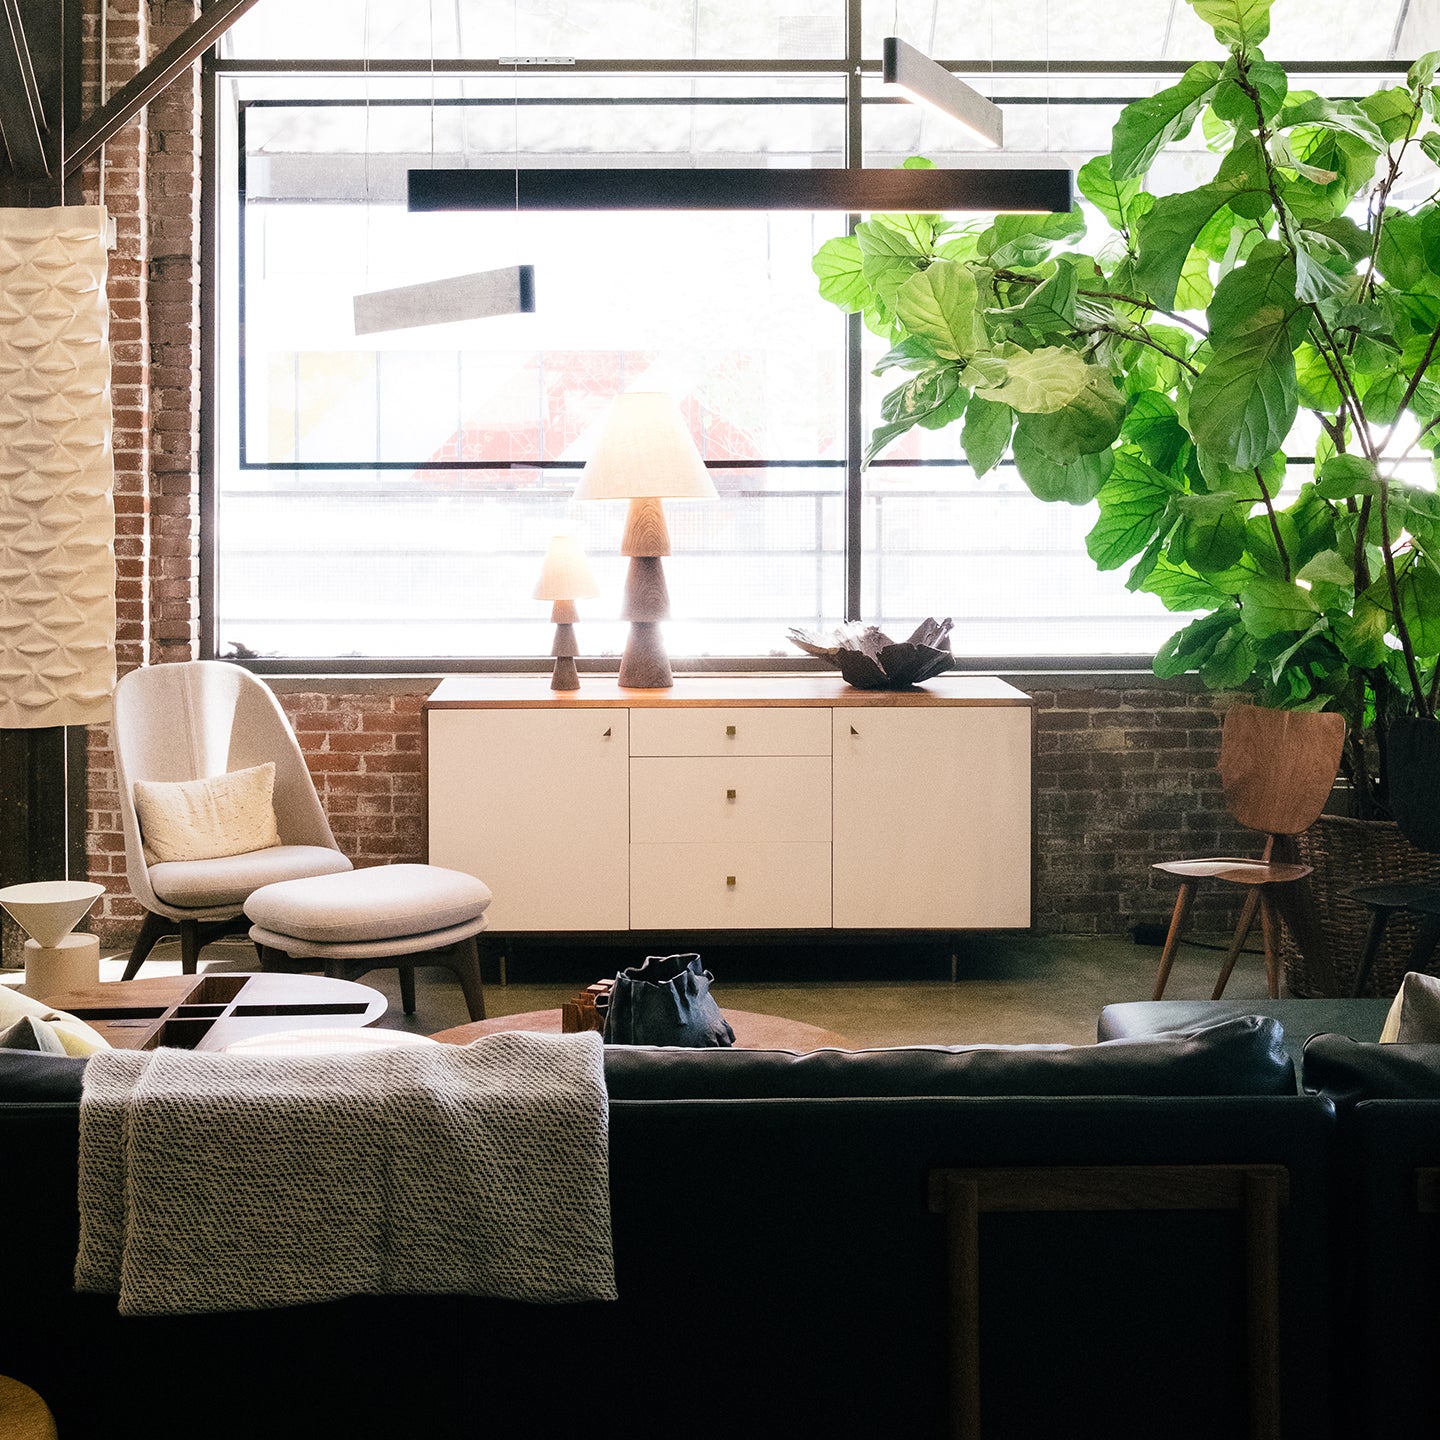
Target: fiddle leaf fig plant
{"type": "Point", "coordinates": [1244, 375]}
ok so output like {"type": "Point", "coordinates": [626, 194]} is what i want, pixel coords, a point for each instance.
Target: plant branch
{"type": "Point", "coordinates": [1401, 628]}
{"type": "Point", "coordinates": [1274, 522]}
{"type": "Point", "coordinates": [1141, 338]}
{"type": "Point", "coordinates": [1413, 386]}
{"type": "Point", "coordinates": [1014, 277]}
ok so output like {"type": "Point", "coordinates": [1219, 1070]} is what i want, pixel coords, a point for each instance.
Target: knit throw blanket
{"type": "Point", "coordinates": [229, 1182]}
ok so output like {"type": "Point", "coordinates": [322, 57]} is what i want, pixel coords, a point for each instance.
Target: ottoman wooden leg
{"type": "Point", "coordinates": [467, 969]}
{"type": "Point", "coordinates": [407, 987]}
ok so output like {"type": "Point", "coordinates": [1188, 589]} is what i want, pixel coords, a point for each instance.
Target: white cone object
{"type": "Point", "coordinates": [48, 910]}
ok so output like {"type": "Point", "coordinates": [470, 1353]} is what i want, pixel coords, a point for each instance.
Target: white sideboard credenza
{"type": "Point", "coordinates": [740, 802]}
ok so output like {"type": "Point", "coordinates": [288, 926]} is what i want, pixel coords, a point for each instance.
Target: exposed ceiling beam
{"type": "Point", "coordinates": [22, 115]}
{"type": "Point", "coordinates": [136, 94]}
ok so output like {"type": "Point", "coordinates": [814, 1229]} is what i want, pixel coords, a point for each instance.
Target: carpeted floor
{"type": "Point", "coordinates": [1008, 989]}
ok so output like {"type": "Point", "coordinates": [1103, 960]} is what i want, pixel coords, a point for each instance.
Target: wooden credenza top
{"type": "Point", "coordinates": [489, 692]}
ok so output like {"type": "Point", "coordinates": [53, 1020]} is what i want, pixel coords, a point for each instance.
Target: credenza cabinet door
{"type": "Point", "coordinates": [537, 805]}
{"type": "Point", "coordinates": [932, 818]}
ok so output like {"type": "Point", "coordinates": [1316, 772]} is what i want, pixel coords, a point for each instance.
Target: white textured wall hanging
{"type": "Point", "coordinates": [57, 514]}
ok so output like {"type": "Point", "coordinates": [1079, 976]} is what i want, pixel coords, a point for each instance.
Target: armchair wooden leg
{"type": "Point", "coordinates": [1270, 928]}
{"type": "Point", "coordinates": [155, 928]}
{"type": "Point", "coordinates": [190, 944]}
{"type": "Point", "coordinates": [407, 988]}
{"type": "Point", "coordinates": [1172, 940]}
{"type": "Point", "coordinates": [1237, 943]}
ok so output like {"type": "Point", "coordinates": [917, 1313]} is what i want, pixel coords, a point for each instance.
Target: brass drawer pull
{"type": "Point", "coordinates": [730, 881]}
{"type": "Point", "coordinates": [730, 730]}
{"type": "Point", "coordinates": [729, 794]}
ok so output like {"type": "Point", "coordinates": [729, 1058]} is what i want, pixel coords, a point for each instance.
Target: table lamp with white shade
{"type": "Point", "coordinates": [565, 578]}
{"type": "Point", "coordinates": [645, 455]}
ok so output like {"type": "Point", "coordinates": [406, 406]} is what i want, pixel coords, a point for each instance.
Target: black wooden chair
{"type": "Point", "coordinates": [1413, 768]}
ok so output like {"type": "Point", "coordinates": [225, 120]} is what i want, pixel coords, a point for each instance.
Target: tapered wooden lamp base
{"type": "Point", "coordinates": [565, 648]}
{"type": "Point", "coordinates": [645, 665]}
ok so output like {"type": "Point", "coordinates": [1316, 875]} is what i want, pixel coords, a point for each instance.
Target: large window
{"type": "Point", "coordinates": [390, 496]}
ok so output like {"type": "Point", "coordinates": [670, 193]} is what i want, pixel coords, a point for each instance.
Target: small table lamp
{"type": "Point", "coordinates": [645, 453]}
{"type": "Point", "coordinates": [565, 578]}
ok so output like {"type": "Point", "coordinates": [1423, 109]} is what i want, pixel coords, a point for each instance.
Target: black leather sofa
{"type": "Point", "coordinates": [780, 1268]}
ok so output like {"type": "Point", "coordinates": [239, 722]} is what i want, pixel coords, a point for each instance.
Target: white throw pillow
{"type": "Point", "coordinates": [1414, 1018]}
{"type": "Point", "coordinates": [229, 814]}
{"type": "Point", "coordinates": [75, 1035]}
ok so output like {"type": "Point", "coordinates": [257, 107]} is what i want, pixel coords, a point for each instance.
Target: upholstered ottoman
{"type": "Point", "coordinates": [363, 920]}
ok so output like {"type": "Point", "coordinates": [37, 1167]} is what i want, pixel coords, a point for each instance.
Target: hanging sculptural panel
{"type": "Point", "coordinates": [57, 515]}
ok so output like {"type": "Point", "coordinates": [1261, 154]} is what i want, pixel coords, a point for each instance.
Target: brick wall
{"type": "Point", "coordinates": [1125, 769]}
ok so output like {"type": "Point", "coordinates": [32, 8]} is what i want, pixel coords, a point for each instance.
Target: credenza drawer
{"type": "Point", "coordinates": [730, 730]}
{"type": "Point", "coordinates": [730, 886]}
{"type": "Point", "coordinates": [703, 798]}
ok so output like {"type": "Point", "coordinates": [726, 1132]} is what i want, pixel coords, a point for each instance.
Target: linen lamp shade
{"type": "Point", "coordinates": [645, 452]}
{"type": "Point", "coordinates": [565, 573]}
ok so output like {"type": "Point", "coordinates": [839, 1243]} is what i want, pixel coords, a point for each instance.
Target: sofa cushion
{"type": "Point", "coordinates": [74, 1035]}
{"type": "Point", "coordinates": [1348, 1071]}
{"type": "Point", "coordinates": [1241, 1056]}
{"type": "Point", "coordinates": [30, 1078]}
{"type": "Point", "coordinates": [1415, 1015]}
{"type": "Point", "coordinates": [381, 902]}
{"type": "Point", "coordinates": [203, 819]}
{"type": "Point", "coordinates": [228, 879]}
{"type": "Point", "coordinates": [1236, 1057]}
{"type": "Point", "coordinates": [30, 1032]}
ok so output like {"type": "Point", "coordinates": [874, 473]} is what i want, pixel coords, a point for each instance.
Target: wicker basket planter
{"type": "Point", "coordinates": [1344, 854]}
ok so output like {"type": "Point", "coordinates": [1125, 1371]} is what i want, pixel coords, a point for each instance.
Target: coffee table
{"type": "Point", "coordinates": [753, 1031]}
{"type": "Point", "coordinates": [209, 1012]}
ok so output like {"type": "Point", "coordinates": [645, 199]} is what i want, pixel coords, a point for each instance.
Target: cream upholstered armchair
{"type": "Point", "coordinates": [192, 721]}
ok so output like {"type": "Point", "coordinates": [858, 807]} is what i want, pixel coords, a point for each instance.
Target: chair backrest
{"type": "Point", "coordinates": [191, 720]}
{"type": "Point", "coordinates": [1413, 773]}
{"type": "Point", "coordinates": [1279, 766]}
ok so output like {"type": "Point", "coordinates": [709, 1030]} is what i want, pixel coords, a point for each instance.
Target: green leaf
{"type": "Point", "coordinates": [1315, 381]}
{"type": "Point", "coordinates": [1148, 125]}
{"type": "Point", "coordinates": [1263, 285]}
{"type": "Point", "coordinates": [1420, 605]}
{"type": "Point", "coordinates": [1329, 567]}
{"type": "Point", "coordinates": [1381, 398]}
{"type": "Point", "coordinates": [1345, 476]}
{"type": "Point", "coordinates": [1231, 662]}
{"type": "Point", "coordinates": [1234, 106]}
{"type": "Point", "coordinates": [941, 304]}
{"type": "Point", "coordinates": [1360, 635]}
{"type": "Point", "coordinates": [1028, 239]}
{"type": "Point", "coordinates": [1178, 587]}
{"type": "Point", "coordinates": [1195, 290]}
{"type": "Point", "coordinates": [918, 397]}
{"type": "Point", "coordinates": [1276, 607]}
{"type": "Point", "coordinates": [1090, 422]}
{"type": "Point", "coordinates": [1343, 116]}
{"type": "Point", "coordinates": [1111, 197]}
{"type": "Point", "coordinates": [837, 266]}
{"type": "Point", "coordinates": [914, 352]}
{"type": "Point", "coordinates": [1235, 22]}
{"type": "Point", "coordinates": [1322, 269]}
{"type": "Point", "coordinates": [1191, 647]}
{"type": "Point", "coordinates": [1422, 73]}
{"type": "Point", "coordinates": [888, 257]}
{"type": "Point", "coordinates": [986, 433]}
{"type": "Point", "coordinates": [1037, 381]}
{"type": "Point", "coordinates": [1133, 503]}
{"type": "Point", "coordinates": [1211, 537]}
{"type": "Point", "coordinates": [1154, 425]}
{"type": "Point", "coordinates": [1050, 307]}
{"type": "Point", "coordinates": [1244, 403]}
{"type": "Point", "coordinates": [1077, 483]}
{"type": "Point", "coordinates": [1392, 111]}
{"type": "Point", "coordinates": [882, 435]}
{"type": "Point", "coordinates": [1163, 238]}
{"type": "Point", "coordinates": [1243, 169]}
